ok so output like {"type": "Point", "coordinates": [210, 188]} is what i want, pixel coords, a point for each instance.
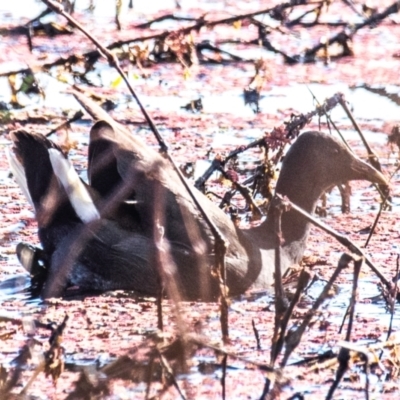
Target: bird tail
{"type": "Point", "coordinates": [49, 180]}
{"type": "Point", "coordinates": [76, 191]}
{"type": "Point", "coordinates": [18, 172]}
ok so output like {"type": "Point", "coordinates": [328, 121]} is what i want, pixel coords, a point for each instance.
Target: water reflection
{"type": "Point", "coordinates": [15, 288]}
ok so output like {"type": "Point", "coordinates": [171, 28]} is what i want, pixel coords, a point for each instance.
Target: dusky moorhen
{"type": "Point", "coordinates": [120, 255]}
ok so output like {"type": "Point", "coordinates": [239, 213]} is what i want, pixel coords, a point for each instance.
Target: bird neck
{"type": "Point", "coordinates": [305, 194]}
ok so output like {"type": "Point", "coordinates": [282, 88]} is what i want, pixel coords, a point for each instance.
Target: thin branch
{"type": "Point", "coordinates": [344, 240]}
{"type": "Point", "coordinates": [220, 244]}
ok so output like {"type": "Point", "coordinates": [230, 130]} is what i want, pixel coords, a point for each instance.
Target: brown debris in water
{"type": "Point", "coordinates": [118, 331]}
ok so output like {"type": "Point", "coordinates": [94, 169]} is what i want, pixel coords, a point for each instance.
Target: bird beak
{"type": "Point", "coordinates": [362, 170]}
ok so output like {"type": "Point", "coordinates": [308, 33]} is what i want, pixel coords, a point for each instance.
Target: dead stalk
{"type": "Point", "coordinates": [291, 130]}
{"type": "Point", "coordinates": [301, 285]}
{"type": "Point", "coordinates": [170, 374]}
{"type": "Point", "coordinates": [223, 378]}
{"type": "Point", "coordinates": [357, 268]}
{"type": "Point", "coordinates": [149, 374]}
{"type": "Point", "coordinates": [220, 242]}
{"type": "Point", "coordinates": [328, 118]}
{"type": "Point", "coordinates": [293, 337]}
{"type": "Point", "coordinates": [76, 117]}
{"type": "Point", "coordinates": [382, 206]}
{"type": "Point", "coordinates": [372, 157]}
{"type": "Point", "coordinates": [343, 358]}
{"type": "Point", "coordinates": [267, 385]}
{"type": "Point", "coordinates": [393, 298]}
{"type": "Point", "coordinates": [256, 334]}
{"type": "Point", "coordinates": [344, 240]}
{"type": "Point", "coordinates": [280, 297]}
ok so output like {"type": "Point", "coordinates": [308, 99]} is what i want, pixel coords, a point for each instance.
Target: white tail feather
{"type": "Point", "coordinates": [19, 175]}
{"type": "Point", "coordinates": [76, 190]}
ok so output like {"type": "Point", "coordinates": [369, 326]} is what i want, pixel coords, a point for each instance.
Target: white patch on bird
{"type": "Point", "coordinates": [76, 191]}
{"type": "Point", "coordinates": [19, 175]}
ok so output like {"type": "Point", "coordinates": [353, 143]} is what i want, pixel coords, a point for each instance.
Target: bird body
{"type": "Point", "coordinates": [135, 195]}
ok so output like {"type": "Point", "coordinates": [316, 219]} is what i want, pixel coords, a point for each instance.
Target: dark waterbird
{"type": "Point", "coordinates": [107, 229]}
